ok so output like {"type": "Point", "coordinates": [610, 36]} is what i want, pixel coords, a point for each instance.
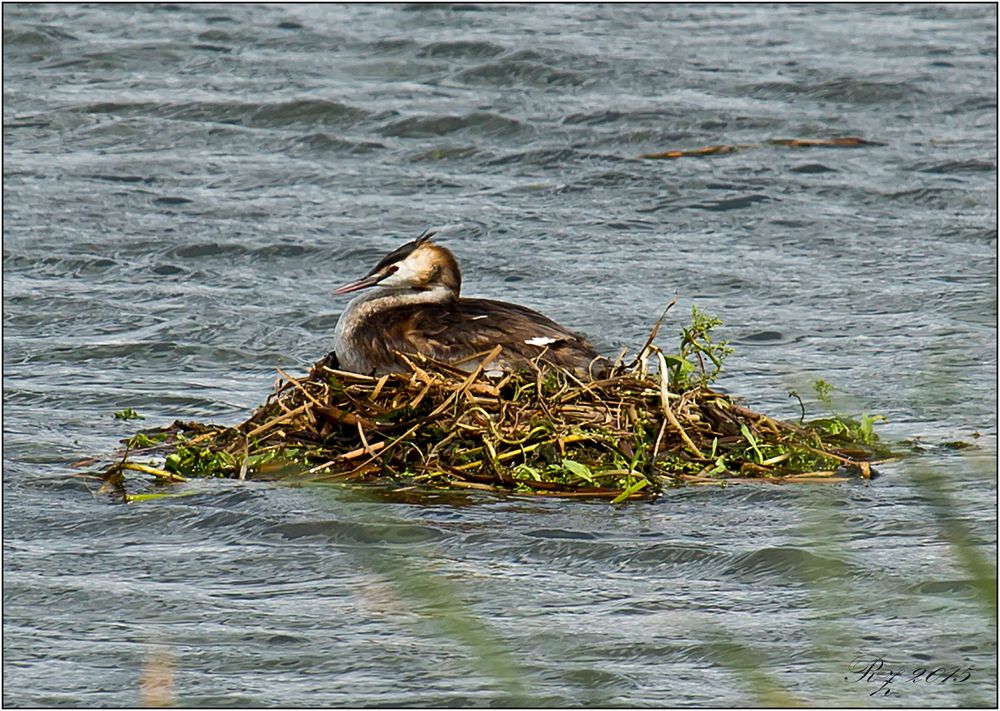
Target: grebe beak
{"type": "Point", "coordinates": [370, 280]}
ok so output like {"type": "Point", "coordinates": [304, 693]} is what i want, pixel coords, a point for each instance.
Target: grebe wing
{"type": "Point", "coordinates": [453, 331]}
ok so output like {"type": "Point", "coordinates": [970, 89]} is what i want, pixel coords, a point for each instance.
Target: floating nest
{"type": "Point", "coordinates": [541, 431]}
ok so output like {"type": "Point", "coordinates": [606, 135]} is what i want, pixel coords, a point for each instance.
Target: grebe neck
{"type": "Point", "coordinates": [360, 311]}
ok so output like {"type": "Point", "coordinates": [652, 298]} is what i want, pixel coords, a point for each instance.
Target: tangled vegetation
{"type": "Point", "coordinates": [536, 432]}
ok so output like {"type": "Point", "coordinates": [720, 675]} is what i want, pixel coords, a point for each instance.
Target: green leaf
{"type": "Point", "coordinates": [720, 466]}
{"type": "Point", "coordinates": [141, 439]}
{"type": "Point", "coordinates": [578, 469]}
{"type": "Point", "coordinates": [677, 362]}
{"type": "Point", "coordinates": [748, 435]}
{"type": "Point", "coordinates": [636, 486]}
{"type": "Point", "coordinates": [866, 428]}
{"type": "Point", "coordinates": [529, 470]}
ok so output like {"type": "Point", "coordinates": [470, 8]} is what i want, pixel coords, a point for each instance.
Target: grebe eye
{"type": "Point", "coordinates": [392, 270]}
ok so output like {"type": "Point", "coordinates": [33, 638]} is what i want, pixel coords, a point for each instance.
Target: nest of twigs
{"type": "Point", "coordinates": [536, 432]}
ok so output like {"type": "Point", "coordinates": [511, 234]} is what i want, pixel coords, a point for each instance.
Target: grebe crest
{"type": "Point", "coordinates": [416, 307]}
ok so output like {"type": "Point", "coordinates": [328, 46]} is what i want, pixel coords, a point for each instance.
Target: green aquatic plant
{"type": "Point", "coordinates": [142, 440]}
{"type": "Point", "coordinates": [824, 393]}
{"type": "Point", "coordinates": [838, 425]}
{"type": "Point", "coordinates": [193, 461]}
{"type": "Point", "coordinates": [752, 441]}
{"type": "Point", "coordinates": [699, 360]}
{"type": "Point", "coordinates": [128, 414]}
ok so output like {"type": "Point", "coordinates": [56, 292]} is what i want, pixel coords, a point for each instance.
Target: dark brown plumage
{"type": "Point", "coordinates": [417, 308]}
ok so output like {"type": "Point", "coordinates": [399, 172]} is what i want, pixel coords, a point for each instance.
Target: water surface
{"type": "Point", "coordinates": [183, 185]}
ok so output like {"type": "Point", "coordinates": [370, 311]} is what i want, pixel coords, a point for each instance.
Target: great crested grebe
{"type": "Point", "coordinates": [416, 308]}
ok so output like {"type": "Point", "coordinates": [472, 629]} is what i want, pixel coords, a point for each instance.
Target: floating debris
{"type": "Point", "coordinates": [841, 142]}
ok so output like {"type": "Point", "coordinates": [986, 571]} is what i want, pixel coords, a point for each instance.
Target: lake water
{"type": "Point", "coordinates": [183, 186]}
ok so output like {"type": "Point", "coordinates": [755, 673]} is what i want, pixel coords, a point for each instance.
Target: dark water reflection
{"type": "Point", "coordinates": [184, 184]}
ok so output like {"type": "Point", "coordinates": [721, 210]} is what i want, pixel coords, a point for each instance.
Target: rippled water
{"type": "Point", "coordinates": [183, 185]}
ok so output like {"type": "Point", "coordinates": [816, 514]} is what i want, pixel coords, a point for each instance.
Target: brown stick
{"type": "Point", "coordinates": [491, 356]}
{"type": "Point", "coordinates": [279, 419]}
{"type": "Point", "coordinates": [652, 334]}
{"type": "Point", "coordinates": [299, 385]}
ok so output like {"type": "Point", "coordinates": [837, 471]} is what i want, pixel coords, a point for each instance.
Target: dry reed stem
{"type": "Point", "coordinates": [244, 465]}
{"type": "Point", "coordinates": [530, 448]}
{"type": "Point", "coordinates": [665, 404]}
{"type": "Point", "coordinates": [822, 473]}
{"type": "Point", "coordinates": [146, 469]}
{"type": "Point", "coordinates": [777, 459]}
{"type": "Point", "coordinates": [277, 420]}
{"type": "Point", "coordinates": [812, 480]}
{"type": "Point", "coordinates": [378, 386]}
{"type": "Point", "coordinates": [831, 455]}
{"type": "Point", "coordinates": [299, 387]}
{"type": "Point", "coordinates": [364, 440]}
{"type": "Point", "coordinates": [438, 410]}
{"type": "Point", "coordinates": [640, 356]}
{"type": "Point", "coordinates": [348, 375]}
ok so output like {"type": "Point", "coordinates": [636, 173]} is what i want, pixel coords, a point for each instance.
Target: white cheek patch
{"type": "Point", "coordinates": [412, 270]}
{"type": "Point", "coordinates": [540, 341]}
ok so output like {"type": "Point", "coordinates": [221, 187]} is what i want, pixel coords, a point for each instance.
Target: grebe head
{"type": "Point", "coordinates": [419, 265]}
